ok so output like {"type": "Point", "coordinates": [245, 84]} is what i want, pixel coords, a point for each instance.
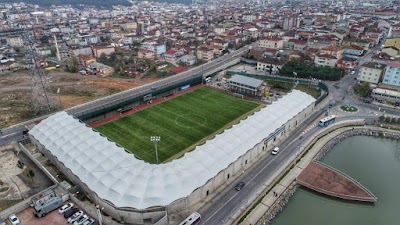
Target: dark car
{"type": "Point", "coordinates": [239, 186]}
{"type": "Point", "coordinates": [96, 223]}
{"type": "Point", "coordinates": [70, 212]}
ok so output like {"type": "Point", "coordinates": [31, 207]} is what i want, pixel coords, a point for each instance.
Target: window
{"type": "Point", "coordinates": [229, 175]}
{"type": "Point", "coordinates": [207, 192]}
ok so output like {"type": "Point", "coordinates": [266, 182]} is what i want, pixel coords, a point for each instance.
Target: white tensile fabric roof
{"type": "Point", "coordinates": [120, 178]}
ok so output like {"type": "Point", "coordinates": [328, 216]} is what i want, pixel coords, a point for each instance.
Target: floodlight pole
{"type": "Point", "coordinates": [155, 139]}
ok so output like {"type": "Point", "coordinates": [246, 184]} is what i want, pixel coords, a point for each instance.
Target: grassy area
{"type": "Point", "coordinates": [281, 86]}
{"type": "Point", "coordinates": [4, 204]}
{"type": "Point", "coordinates": [309, 90]}
{"type": "Point", "coordinates": [168, 68]}
{"type": "Point", "coordinates": [180, 123]}
{"type": "Point", "coordinates": [348, 108]}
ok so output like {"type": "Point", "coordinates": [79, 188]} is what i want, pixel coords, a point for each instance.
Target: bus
{"type": "Point", "coordinates": [193, 219]}
{"type": "Point", "coordinates": [326, 121]}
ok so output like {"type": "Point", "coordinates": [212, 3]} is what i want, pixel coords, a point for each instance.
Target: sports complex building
{"type": "Point", "coordinates": [133, 191]}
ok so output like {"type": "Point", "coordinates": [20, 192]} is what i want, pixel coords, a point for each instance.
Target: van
{"type": "Point", "coordinates": [275, 151]}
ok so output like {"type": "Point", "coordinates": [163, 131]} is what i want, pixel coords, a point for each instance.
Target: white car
{"type": "Point", "coordinates": [65, 207]}
{"type": "Point", "coordinates": [14, 219]}
{"type": "Point", "coordinates": [81, 220]}
{"type": "Point", "coordinates": [275, 151]}
{"type": "Point", "coordinates": [90, 221]}
{"type": "Point", "coordinates": [75, 216]}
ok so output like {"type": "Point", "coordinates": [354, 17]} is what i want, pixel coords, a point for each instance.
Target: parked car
{"type": "Point", "coordinates": [275, 151]}
{"type": "Point", "coordinates": [239, 186]}
{"type": "Point", "coordinates": [70, 212]}
{"type": "Point", "coordinates": [75, 217]}
{"type": "Point", "coordinates": [65, 208]}
{"type": "Point", "coordinates": [13, 219]}
{"type": "Point", "coordinates": [90, 221]}
{"type": "Point", "coordinates": [2, 222]}
{"type": "Point", "coordinates": [81, 220]}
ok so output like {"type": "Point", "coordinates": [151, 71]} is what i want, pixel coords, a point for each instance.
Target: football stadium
{"type": "Point", "coordinates": [206, 136]}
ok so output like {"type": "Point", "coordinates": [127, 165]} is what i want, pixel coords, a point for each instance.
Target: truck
{"type": "Point", "coordinates": [40, 210]}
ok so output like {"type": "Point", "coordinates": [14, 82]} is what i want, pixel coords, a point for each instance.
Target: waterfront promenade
{"type": "Point", "coordinates": [323, 179]}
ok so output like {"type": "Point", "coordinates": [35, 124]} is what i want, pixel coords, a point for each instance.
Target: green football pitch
{"type": "Point", "coordinates": [180, 122]}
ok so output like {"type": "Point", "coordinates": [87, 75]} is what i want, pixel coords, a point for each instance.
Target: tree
{"type": "Point", "coordinates": [102, 57]}
{"type": "Point", "coordinates": [73, 65]}
{"type": "Point", "coordinates": [363, 89]}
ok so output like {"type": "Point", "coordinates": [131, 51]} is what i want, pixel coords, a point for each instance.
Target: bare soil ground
{"type": "Point", "coordinates": [74, 89]}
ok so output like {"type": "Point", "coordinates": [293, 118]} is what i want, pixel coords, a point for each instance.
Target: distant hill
{"type": "Point", "coordinates": [97, 3]}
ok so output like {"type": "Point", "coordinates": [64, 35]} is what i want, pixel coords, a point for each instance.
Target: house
{"type": "Point", "coordinates": [161, 65]}
{"type": "Point", "coordinates": [325, 60]}
{"type": "Point", "coordinates": [188, 60]}
{"type": "Point", "coordinates": [171, 54]}
{"type": "Point", "coordinates": [205, 53]}
{"type": "Point", "coordinates": [392, 74]}
{"type": "Point", "coordinates": [99, 50]}
{"type": "Point", "coordinates": [101, 68]}
{"type": "Point", "coordinates": [353, 51]}
{"type": "Point", "coordinates": [274, 42]}
{"type": "Point", "coordinates": [347, 63]}
{"type": "Point", "coordinates": [146, 53]}
{"type": "Point", "coordinates": [361, 43]}
{"type": "Point", "coordinates": [85, 60]}
{"type": "Point", "coordinates": [298, 45]}
{"type": "Point", "coordinates": [391, 50]}
{"type": "Point", "coordinates": [81, 51]}
{"type": "Point", "coordinates": [322, 41]}
{"type": "Point", "coordinates": [270, 65]}
{"type": "Point", "coordinates": [256, 53]}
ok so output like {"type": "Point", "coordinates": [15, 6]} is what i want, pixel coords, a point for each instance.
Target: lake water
{"type": "Point", "coordinates": [375, 163]}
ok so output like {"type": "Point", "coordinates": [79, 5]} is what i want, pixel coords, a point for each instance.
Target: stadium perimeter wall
{"type": "Point", "coordinates": [191, 202]}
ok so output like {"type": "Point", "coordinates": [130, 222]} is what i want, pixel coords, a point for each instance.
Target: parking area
{"type": "Point", "coordinates": [27, 218]}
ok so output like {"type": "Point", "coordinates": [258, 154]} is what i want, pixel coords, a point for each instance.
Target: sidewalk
{"type": "Point", "coordinates": [279, 189]}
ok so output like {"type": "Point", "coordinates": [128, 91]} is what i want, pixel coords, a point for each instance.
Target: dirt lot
{"type": "Point", "coordinates": [74, 89]}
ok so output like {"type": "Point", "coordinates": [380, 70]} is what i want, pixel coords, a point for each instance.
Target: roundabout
{"type": "Point", "coordinates": [348, 108]}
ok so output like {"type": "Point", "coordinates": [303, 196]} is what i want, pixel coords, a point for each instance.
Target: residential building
{"type": "Point", "coordinates": [353, 51]}
{"type": "Point", "coordinates": [391, 50]}
{"type": "Point", "coordinates": [85, 60]}
{"type": "Point", "coordinates": [146, 53]}
{"type": "Point", "coordinates": [290, 22]}
{"type": "Point", "coordinates": [392, 74]}
{"type": "Point", "coordinates": [205, 53]}
{"type": "Point", "coordinates": [298, 45]}
{"type": "Point", "coordinates": [270, 65]}
{"type": "Point", "coordinates": [325, 60]}
{"type": "Point", "coordinates": [188, 60]}
{"type": "Point", "coordinates": [82, 51]}
{"type": "Point", "coordinates": [347, 63]}
{"type": "Point", "coordinates": [271, 42]}
{"type": "Point", "coordinates": [371, 72]}
{"type": "Point", "coordinates": [99, 50]}
{"type": "Point", "coordinates": [15, 42]}
{"type": "Point", "coordinates": [395, 42]}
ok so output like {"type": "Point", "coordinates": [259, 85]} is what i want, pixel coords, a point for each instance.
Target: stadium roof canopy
{"type": "Point", "coordinates": [117, 176]}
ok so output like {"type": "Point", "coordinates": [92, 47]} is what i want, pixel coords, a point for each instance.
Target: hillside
{"type": "Point", "coordinates": [102, 3]}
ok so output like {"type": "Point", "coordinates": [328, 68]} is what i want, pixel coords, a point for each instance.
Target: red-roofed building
{"type": "Point", "coordinates": [347, 63]}
{"type": "Point", "coordinates": [298, 45]}
{"type": "Point", "coordinates": [99, 50]}
{"type": "Point", "coordinates": [85, 60]}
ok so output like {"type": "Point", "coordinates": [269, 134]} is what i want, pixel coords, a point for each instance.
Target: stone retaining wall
{"type": "Point", "coordinates": [279, 204]}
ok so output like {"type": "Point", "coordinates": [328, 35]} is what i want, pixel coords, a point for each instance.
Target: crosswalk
{"type": "Point", "coordinates": [309, 128]}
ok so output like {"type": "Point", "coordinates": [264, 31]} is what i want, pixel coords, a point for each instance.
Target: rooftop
{"type": "Point", "coordinates": [249, 81]}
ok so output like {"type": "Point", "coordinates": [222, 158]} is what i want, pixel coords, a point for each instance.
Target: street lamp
{"type": "Point", "coordinates": [155, 139]}
{"type": "Point", "coordinates": [99, 214]}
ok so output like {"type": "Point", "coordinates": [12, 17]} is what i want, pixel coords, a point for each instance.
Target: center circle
{"type": "Point", "coordinates": [190, 120]}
